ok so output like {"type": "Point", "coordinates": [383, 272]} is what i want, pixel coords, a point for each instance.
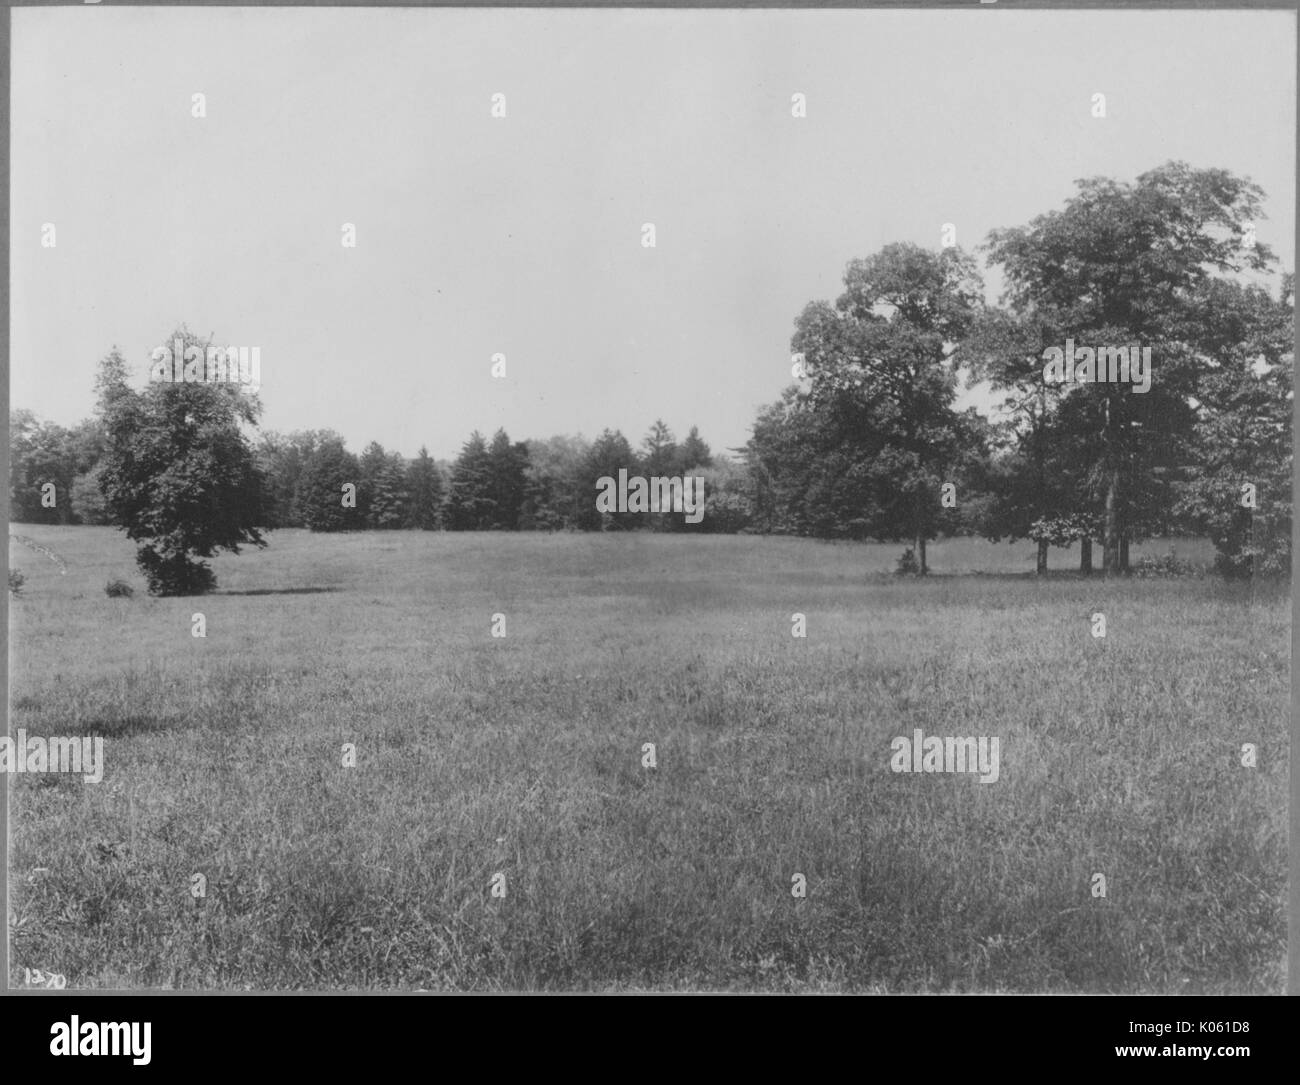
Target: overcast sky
{"type": "Point", "coordinates": [522, 235]}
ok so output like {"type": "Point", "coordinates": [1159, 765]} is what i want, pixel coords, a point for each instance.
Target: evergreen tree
{"type": "Point", "coordinates": [507, 473]}
{"type": "Point", "coordinates": [659, 455]}
{"type": "Point", "coordinates": [609, 454]}
{"type": "Point", "coordinates": [694, 452]}
{"type": "Point", "coordinates": [321, 494]}
{"type": "Point", "coordinates": [424, 486]}
{"type": "Point", "coordinates": [389, 496]}
{"type": "Point", "coordinates": [470, 506]}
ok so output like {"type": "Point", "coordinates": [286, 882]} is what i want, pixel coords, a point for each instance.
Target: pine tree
{"type": "Point", "coordinates": [321, 494]}
{"type": "Point", "coordinates": [424, 486]}
{"type": "Point", "coordinates": [469, 503]}
{"type": "Point", "coordinates": [507, 465]}
{"type": "Point", "coordinates": [694, 452]}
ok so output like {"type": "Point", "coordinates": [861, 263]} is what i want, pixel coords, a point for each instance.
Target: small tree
{"type": "Point", "coordinates": [178, 472]}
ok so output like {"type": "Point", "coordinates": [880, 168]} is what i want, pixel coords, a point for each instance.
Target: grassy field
{"type": "Point", "coordinates": [523, 755]}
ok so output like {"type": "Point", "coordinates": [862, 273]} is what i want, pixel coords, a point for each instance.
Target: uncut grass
{"type": "Point", "coordinates": [522, 756]}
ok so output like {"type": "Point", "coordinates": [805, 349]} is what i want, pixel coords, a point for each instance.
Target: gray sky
{"type": "Point", "coordinates": [522, 235]}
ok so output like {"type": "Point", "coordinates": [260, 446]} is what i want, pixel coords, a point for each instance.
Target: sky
{"type": "Point", "coordinates": [523, 235]}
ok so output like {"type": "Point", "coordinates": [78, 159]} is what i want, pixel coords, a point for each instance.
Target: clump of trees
{"type": "Point", "coordinates": [1206, 450]}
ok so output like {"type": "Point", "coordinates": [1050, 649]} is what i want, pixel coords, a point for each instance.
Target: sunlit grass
{"type": "Point", "coordinates": [522, 755]}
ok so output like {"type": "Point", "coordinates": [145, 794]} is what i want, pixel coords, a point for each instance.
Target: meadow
{"type": "Point", "coordinates": [522, 755]}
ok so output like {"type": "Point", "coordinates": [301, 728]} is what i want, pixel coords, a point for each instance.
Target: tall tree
{"type": "Point", "coordinates": [1039, 485]}
{"type": "Point", "coordinates": [659, 450]}
{"type": "Point", "coordinates": [609, 453]}
{"type": "Point", "coordinates": [879, 365]}
{"type": "Point", "coordinates": [694, 452]}
{"type": "Point", "coordinates": [284, 460]}
{"type": "Point", "coordinates": [389, 496]}
{"type": "Point", "coordinates": [372, 462]}
{"type": "Point", "coordinates": [507, 481]}
{"type": "Point", "coordinates": [553, 490]}
{"type": "Point", "coordinates": [1125, 264]}
{"type": "Point", "coordinates": [424, 485]}
{"type": "Point", "coordinates": [1238, 491]}
{"type": "Point", "coordinates": [784, 459]}
{"type": "Point", "coordinates": [88, 504]}
{"type": "Point", "coordinates": [180, 474]}
{"type": "Point", "coordinates": [40, 454]}
{"type": "Point", "coordinates": [321, 493]}
{"type": "Point", "coordinates": [470, 506]}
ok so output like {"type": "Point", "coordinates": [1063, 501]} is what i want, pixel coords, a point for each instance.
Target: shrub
{"type": "Point", "coordinates": [1167, 565]}
{"type": "Point", "coordinates": [907, 564]}
{"type": "Point", "coordinates": [16, 580]}
{"type": "Point", "coordinates": [118, 588]}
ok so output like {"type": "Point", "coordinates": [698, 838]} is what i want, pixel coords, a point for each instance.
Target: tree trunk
{"type": "Point", "coordinates": [920, 554]}
{"type": "Point", "coordinates": [1085, 556]}
{"type": "Point", "coordinates": [1112, 562]}
{"type": "Point", "coordinates": [1112, 547]}
{"type": "Point", "coordinates": [1123, 552]}
{"type": "Point", "coordinates": [1042, 557]}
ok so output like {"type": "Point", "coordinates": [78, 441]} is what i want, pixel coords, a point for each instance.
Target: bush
{"type": "Point", "coordinates": [16, 580]}
{"type": "Point", "coordinates": [907, 564]}
{"type": "Point", "coordinates": [1167, 565]}
{"type": "Point", "coordinates": [118, 588]}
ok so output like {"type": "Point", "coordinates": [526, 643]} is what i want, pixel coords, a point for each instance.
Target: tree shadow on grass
{"type": "Point", "coordinates": [277, 591]}
{"type": "Point", "coordinates": [130, 725]}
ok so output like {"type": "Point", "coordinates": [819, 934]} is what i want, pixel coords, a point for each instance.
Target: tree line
{"type": "Point", "coordinates": [501, 485]}
{"type": "Point", "coordinates": [866, 444]}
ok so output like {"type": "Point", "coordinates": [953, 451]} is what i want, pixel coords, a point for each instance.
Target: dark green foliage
{"type": "Point", "coordinates": [425, 493]}
{"type": "Point", "coordinates": [320, 493]}
{"type": "Point", "coordinates": [694, 452]}
{"type": "Point", "coordinates": [1243, 431]}
{"type": "Point", "coordinates": [885, 435]}
{"type": "Point", "coordinates": [507, 482]}
{"type": "Point", "coordinates": [88, 503]}
{"type": "Point", "coordinates": [470, 506]}
{"type": "Point", "coordinates": [609, 453]}
{"type": "Point", "coordinates": [553, 484]}
{"type": "Point", "coordinates": [284, 462]}
{"type": "Point", "coordinates": [382, 493]}
{"type": "Point", "coordinates": [179, 473]}
{"type": "Point", "coordinates": [1133, 264]}
{"type": "Point", "coordinates": [1166, 565]}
